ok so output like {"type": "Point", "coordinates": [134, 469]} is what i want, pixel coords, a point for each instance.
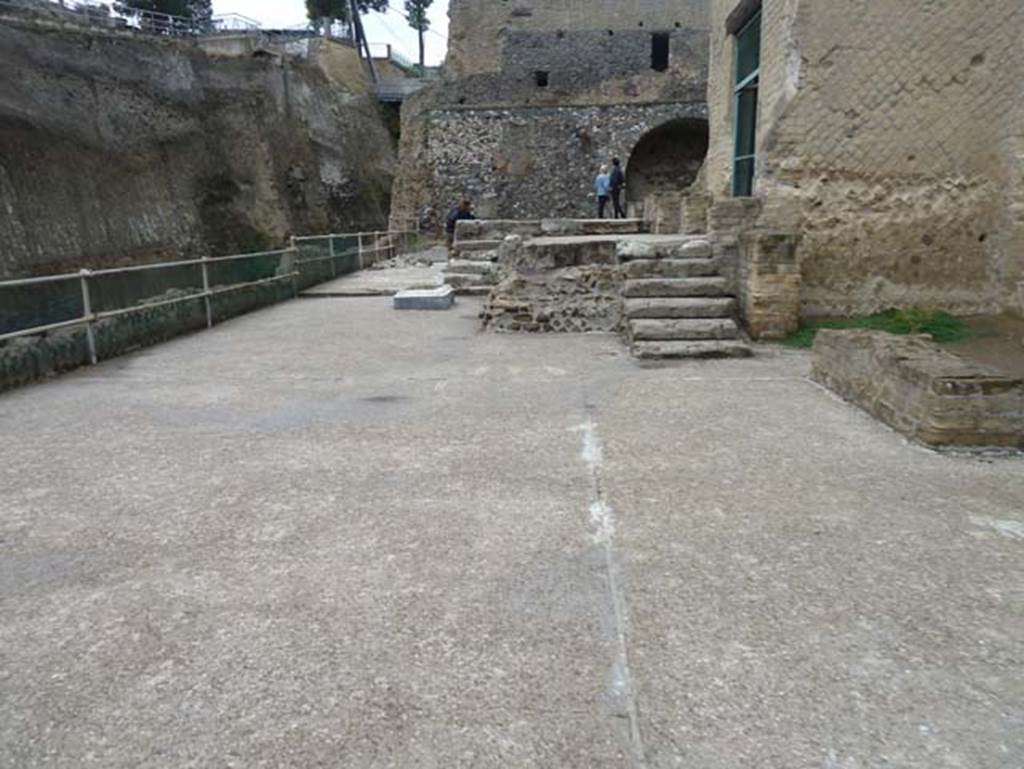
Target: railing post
{"type": "Point", "coordinates": [330, 250]}
{"type": "Point", "coordinates": [361, 265]}
{"type": "Point", "coordinates": [90, 332]}
{"type": "Point", "coordinates": [206, 293]}
{"type": "Point", "coordinates": [295, 267]}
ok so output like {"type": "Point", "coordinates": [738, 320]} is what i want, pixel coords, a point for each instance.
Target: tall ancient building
{"type": "Point", "coordinates": [539, 93]}
{"type": "Point", "coordinates": [886, 137]}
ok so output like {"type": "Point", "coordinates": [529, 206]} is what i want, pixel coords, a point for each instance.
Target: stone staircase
{"type": "Point", "coordinates": [473, 266]}
{"type": "Point", "coordinates": [675, 302]}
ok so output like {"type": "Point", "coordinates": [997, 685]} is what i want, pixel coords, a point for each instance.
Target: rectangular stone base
{"type": "Point", "coordinates": [916, 387]}
{"type": "Point", "coordinates": [440, 298]}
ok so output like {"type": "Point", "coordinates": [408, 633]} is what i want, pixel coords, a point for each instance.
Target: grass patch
{"type": "Point", "coordinates": [943, 327]}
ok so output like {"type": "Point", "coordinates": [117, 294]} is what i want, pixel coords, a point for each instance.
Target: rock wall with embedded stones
{"type": "Point", "coordinates": [891, 142]}
{"type": "Point", "coordinates": [556, 290]}
{"type": "Point", "coordinates": [538, 94]}
{"type": "Point", "coordinates": [119, 148]}
{"type": "Point", "coordinates": [525, 162]}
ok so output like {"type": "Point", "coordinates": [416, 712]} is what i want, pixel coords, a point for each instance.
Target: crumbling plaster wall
{"type": "Point", "coordinates": [526, 150]}
{"type": "Point", "coordinates": [890, 139]}
{"type": "Point", "coordinates": [118, 148]}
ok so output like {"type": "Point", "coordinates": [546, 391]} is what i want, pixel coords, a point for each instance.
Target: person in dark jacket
{"type": "Point", "coordinates": [618, 184]}
{"type": "Point", "coordinates": [463, 211]}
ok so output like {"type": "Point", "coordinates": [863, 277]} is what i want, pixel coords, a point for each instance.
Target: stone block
{"type": "Point", "coordinates": [670, 268]}
{"type": "Point", "coordinates": [693, 329]}
{"type": "Point", "coordinates": [729, 348]}
{"type": "Point", "coordinates": [694, 249]}
{"type": "Point", "coordinates": [669, 287]}
{"type": "Point", "coordinates": [916, 387]}
{"type": "Point", "coordinates": [679, 308]}
{"type": "Point", "coordinates": [440, 298]}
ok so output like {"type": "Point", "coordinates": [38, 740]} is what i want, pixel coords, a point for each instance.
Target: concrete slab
{"type": "Point", "coordinates": [441, 298]}
{"type": "Point", "coordinates": [328, 534]}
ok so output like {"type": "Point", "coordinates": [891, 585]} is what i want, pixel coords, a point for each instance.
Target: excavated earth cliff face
{"type": "Point", "coordinates": [119, 148]}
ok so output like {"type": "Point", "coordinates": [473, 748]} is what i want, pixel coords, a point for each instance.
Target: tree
{"type": "Point", "coordinates": [416, 13]}
{"type": "Point", "coordinates": [337, 10]}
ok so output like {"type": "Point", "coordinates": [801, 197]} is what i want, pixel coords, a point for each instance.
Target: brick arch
{"type": "Point", "coordinates": [667, 158]}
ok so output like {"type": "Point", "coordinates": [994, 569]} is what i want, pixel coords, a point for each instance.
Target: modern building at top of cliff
{"type": "Point", "coordinates": [577, 52]}
{"type": "Point", "coordinates": [887, 136]}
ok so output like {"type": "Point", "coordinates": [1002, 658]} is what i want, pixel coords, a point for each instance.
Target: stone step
{"type": "Point", "coordinates": [610, 226]}
{"type": "Point", "coordinates": [495, 229]}
{"type": "Point", "coordinates": [474, 290]}
{"type": "Point", "coordinates": [673, 287]}
{"type": "Point", "coordinates": [469, 246]}
{"type": "Point", "coordinates": [683, 247]}
{"type": "Point", "coordinates": [680, 307]}
{"type": "Point", "coordinates": [470, 266]}
{"type": "Point", "coordinates": [670, 268]}
{"type": "Point", "coordinates": [475, 256]}
{"type": "Point", "coordinates": [687, 329]}
{"type": "Point", "coordinates": [729, 348]}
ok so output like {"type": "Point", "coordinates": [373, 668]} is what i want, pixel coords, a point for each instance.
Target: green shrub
{"type": "Point", "coordinates": [942, 326]}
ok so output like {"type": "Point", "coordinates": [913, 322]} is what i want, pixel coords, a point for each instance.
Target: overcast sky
{"type": "Point", "coordinates": [380, 28]}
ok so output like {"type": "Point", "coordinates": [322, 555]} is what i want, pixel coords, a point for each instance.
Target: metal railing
{"type": "Point", "coordinates": [119, 16]}
{"type": "Point", "coordinates": [398, 89]}
{"type": "Point", "coordinates": [387, 52]}
{"type": "Point", "coordinates": [308, 260]}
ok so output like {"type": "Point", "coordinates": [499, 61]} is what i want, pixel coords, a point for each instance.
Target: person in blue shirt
{"type": "Point", "coordinates": [603, 187]}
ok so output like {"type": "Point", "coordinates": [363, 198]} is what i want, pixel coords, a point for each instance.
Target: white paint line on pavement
{"type": "Point", "coordinates": [1008, 529]}
{"type": "Point", "coordinates": [602, 523]}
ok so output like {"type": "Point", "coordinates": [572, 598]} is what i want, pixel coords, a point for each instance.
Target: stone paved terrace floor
{"type": "Point", "coordinates": [417, 270]}
{"type": "Point", "coordinates": [331, 535]}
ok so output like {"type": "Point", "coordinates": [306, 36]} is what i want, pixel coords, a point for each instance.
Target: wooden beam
{"type": "Point", "coordinates": [741, 14]}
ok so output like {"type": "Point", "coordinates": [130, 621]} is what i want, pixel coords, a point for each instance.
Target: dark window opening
{"type": "Point", "coordinates": [541, 77]}
{"type": "Point", "coordinates": [745, 89]}
{"type": "Point", "coordinates": [660, 51]}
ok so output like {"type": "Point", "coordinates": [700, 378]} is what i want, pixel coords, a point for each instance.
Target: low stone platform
{"type": "Point", "coordinates": [921, 390]}
{"type": "Point", "coordinates": [498, 229]}
{"type": "Point", "coordinates": [440, 298]}
{"type": "Point", "coordinates": [553, 251]}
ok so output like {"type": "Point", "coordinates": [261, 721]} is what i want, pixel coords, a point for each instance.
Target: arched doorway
{"type": "Point", "coordinates": [667, 158]}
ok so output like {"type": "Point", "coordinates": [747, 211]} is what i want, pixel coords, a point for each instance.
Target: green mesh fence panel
{"type": "Point", "coordinates": [233, 271]}
{"type": "Point", "coordinates": [126, 289]}
{"type": "Point", "coordinates": [41, 304]}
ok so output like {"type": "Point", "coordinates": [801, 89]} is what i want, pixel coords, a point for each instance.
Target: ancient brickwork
{"type": "Point", "coordinates": [890, 138]}
{"type": "Point", "coordinates": [918, 388]}
{"type": "Point", "coordinates": [566, 300]}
